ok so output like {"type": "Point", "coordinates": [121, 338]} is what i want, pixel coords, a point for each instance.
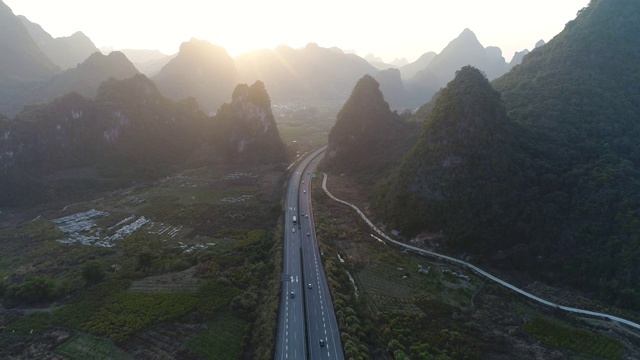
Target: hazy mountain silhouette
{"type": "Point", "coordinates": [85, 78]}
{"type": "Point", "coordinates": [249, 133]}
{"type": "Point", "coordinates": [423, 81]}
{"type": "Point", "coordinates": [312, 73]}
{"type": "Point", "coordinates": [66, 52]}
{"type": "Point", "coordinates": [20, 59]}
{"type": "Point", "coordinates": [400, 62]}
{"type": "Point", "coordinates": [200, 70]}
{"type": "Point", "coordinates": [148, 62]}
{"type": "Point", "coordinates": [367, 135]}
{"type": "Point", "coordinates": [467, 50]}
{"type": "Point", "coordinates": [409, 70]}
{"type": "Point", "coordinates": [393, 89]}
{"type": "Point", "coordinates": [517, 58]}
{"type": "Point", "coordinates": [377, 62]}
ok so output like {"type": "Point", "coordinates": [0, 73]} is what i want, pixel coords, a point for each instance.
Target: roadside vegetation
{"type": "Point", "coordinates": [400, 305]}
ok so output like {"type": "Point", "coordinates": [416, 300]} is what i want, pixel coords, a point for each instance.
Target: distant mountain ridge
{"type": "Point", "coordinates": [66, 52]}
{"type": "Point", "coordinates": [202, 71]}
{"type": "Point", "coordinates": [313, 73]}
{"type": "Point", "coordinates": [85, 78]}
{"type": "Point", "coordinates": [440, 69]}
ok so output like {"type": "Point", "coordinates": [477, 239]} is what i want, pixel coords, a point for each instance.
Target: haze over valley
{"type": "Point", "coordinates": [348, 197]}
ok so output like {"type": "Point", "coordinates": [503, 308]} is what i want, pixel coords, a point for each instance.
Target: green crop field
{"type": "Point", "coordinates": [559, 335]}
{"type": "Point", "coordinates": [87, 347]}
{"type": "Point", "coordinates": [222, 339]}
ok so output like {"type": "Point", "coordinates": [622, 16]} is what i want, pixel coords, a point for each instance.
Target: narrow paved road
{"type": "Point", "coordinates": [477, 269]}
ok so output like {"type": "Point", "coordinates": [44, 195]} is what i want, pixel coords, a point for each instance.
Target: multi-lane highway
{"type": "Point", "coordinates": [322, 327]}
{"type": "Point", "coordinates": [307, 325]}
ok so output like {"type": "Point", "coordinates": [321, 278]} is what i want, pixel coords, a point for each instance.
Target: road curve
{"type": "Point", "coordinates": [478, 270]}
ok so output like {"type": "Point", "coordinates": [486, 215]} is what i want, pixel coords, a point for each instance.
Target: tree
{"type": "Point", "coordinates": [92, 272]}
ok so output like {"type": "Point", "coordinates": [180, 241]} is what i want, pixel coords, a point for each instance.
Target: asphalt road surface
{"type": "Point", "coordinates": [307, 326]}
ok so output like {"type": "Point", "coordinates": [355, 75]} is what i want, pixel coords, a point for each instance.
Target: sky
{"type": "Point", "coordinates": [390, 29]}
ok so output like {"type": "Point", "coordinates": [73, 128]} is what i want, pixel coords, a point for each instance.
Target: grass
{"type": "Point", "coordinates": [87, 347]}
{"type": "Point", "coordinates": [222, 340]}
{"type": "Point", "coordinates": [390, 288]}
{"type": "Point", "coordinates": [560, 335]}
{"type": "Point", "coordinates": [35, 323]}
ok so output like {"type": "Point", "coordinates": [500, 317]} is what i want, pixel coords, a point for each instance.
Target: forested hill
{"type": "Point", "coordinates": [129, 131]}
{"type": "Point", "coordinates": [581, 91]}
{"type": "Point", "coordinates": [246, 129]}
{"type": "Point", "coordinates": [368, 136]}
{"type": "Point", "coordinates": [465, 174]}
{"type": "Point", "coordinates": [554, 189]}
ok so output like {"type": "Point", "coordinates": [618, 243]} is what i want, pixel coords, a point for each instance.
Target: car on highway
{"type": "Point", "coordinates": [321, 342]}
{"type": "Point", "coordinates": [293, 230]}
{"type": "Point", "coordinates": [293, 294]}
{"type": "Point", "coordinates": [304, 191]}
{"type": "Point", "coordinates": [310, 286]}
{"type": "Point", "coordinates": [308, 234]}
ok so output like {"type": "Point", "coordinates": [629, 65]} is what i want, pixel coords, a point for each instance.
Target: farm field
{"type": "Point", "coordinates": [171, 269]}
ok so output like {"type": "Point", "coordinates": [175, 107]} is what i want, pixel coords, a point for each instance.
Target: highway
{"type": "Point", "coordinates": [320, 315]}
{"type": "Point", "coordinates": [291, 339]}
{"type": "Point", "coordinates": [313, 334]}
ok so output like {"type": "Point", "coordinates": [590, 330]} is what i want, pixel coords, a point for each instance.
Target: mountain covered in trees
{"type": "Point", "coordinates": [367, 136]}
{"type": "Point", "coordinates": [249, 133]}
{"type": "Point", "coordinates": [129, 131]}
{"type": "Point", "coordinates": [545, 181]}
{"type": "Point", "coordinates": [580, 93]}
{"type": "Point", "coordinates": [464, 169]}
{"type": "Point", "coordinates": [200, 70]}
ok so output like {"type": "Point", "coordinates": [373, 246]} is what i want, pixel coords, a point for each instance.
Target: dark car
{"type": "Point", "coordinates": [321, 342]}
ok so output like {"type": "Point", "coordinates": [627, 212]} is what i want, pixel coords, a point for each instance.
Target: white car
{"type": "Point", "coordinates": [293, 230]}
